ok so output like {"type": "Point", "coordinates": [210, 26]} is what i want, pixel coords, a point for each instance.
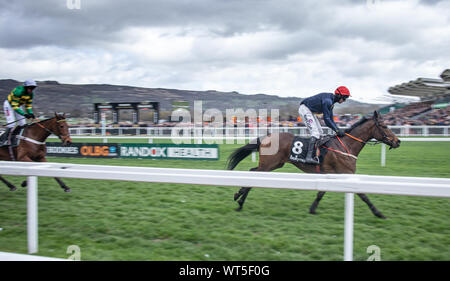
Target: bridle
{"type": "Point", "coordinates": [60, 136]}
{"type": "Point", "coordinates": [385, 139]}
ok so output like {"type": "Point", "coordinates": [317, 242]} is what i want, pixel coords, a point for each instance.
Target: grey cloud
{"type": "Point", "coordinates": [50, 22]}
{"type": "Point", "coordinates": [430, 2]}
{"type": "Point", "coordinates": [310, 27]}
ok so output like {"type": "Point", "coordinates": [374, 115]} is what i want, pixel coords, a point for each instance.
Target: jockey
{"type": "Point", "coordinates": [321, 103]}
{"type": "Point", "coordinates": [19, 96]}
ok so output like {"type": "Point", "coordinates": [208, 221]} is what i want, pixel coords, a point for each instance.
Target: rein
{"type": "Point", "coordinates": [48, 130]}
{"type": "Point", "coordinates": [43, 127]}
{"type": "Point", "coordinates": [371, 142]}
{"type": "Point", "coordinates": [346, 149]}
{"type": "Point", "coordinates": [359, 140]}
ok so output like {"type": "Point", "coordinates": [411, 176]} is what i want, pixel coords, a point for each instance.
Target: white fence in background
{"type": "Point", "coordinates": [349, 184]}
{"type": "Point", "coordinates": [404, 131]}
{"type": "Point", "coordinates": [383, 146]}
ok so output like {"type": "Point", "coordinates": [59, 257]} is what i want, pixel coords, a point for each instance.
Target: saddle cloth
{"type": "Point", "coordinates": [15, 141]}
{"type": "Point", "coordinates": [300, 146]}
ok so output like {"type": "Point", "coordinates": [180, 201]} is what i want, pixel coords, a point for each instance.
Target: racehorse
{"type": "Point", "coordinates": [335, 160]}
{"type": "Point", "coordinates": [32, 145]}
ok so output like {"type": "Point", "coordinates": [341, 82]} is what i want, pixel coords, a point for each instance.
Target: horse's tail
{"type": "Point", "coordinates": [239, 154]}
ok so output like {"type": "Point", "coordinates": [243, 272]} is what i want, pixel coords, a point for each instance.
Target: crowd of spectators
{"type": "Point", "coordinates": [415, 114]}
{"type": "Point", "coordinates": [436, 117]}
{"type": "Point", "coordinates": [418, 114]}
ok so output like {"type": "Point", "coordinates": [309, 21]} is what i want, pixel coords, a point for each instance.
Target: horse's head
{"type": "Point", "coordinates": [383, 133]}
{"type": "Point", "coordinates": [62, 128]}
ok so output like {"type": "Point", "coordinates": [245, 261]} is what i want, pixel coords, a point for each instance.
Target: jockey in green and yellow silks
{"type": "Point", "coordinates": [21, 96]}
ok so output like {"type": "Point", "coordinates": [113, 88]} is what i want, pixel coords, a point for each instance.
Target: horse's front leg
{"type": "Point", "coordinates": [10, 185]}
{"type": "Point", "coordinates": [62, 185]}
{"type": "Point", "coordinates": [371, 206]}
{"type": "Point", "coordinates": [23, 158]}
{"type": "Point", "coordinates": [58, 180]}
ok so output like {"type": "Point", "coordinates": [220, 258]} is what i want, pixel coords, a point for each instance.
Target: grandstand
{"type": "Point", "coordinates": [434, 105]}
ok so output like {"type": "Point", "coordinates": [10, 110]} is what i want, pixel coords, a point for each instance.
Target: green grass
{"type": "Point", "coordinates": [113, 220]}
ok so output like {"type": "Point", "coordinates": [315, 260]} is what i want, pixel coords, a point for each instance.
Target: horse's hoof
{"type": "Point", "coordinates": [381, 216]}
{"type": "Point", "coordinates": [236, 196]}
{"type": "Point", "coordinates": [24, 184]}
{"type": "Point", "coordinates": [13, 188]}
{"type": "Point", "coordinates": [67, 190]}
{"type": "Point", "coordinates": [238, 209]}
{"type": "Point", "coordinates": [313, 212]}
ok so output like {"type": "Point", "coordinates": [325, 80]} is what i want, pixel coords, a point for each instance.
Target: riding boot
{"type": "Point", "coordinates": [309, 159]}
{"type": "Point", "coordinates": [4, 137]}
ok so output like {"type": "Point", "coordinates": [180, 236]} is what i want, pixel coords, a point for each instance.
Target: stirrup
{"type": "Point", "coordinates": [4, 139]}
{"type": "Point", "coordinates": [312, 160]}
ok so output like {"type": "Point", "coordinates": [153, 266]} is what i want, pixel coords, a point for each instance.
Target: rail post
{"type": "Point", "coordinates": [32, 214]}
{"type": "Point", "coordinates": [348, 231]}
{"type": "Point", "coordinates": [383, 155]}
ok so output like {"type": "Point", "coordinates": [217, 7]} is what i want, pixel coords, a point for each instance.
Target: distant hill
{"type": "Point", "coordinates": [78, 100]}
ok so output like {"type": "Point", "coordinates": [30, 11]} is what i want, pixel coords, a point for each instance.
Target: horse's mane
{"type": "Point", "coordinates": [361, 121]}
{"type": "Point", "coordinates": [40, 121]}
{"type": "Point", "coordinates": [50, 118]}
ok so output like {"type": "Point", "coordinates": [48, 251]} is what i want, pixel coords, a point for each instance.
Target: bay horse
{"type": "Point", "coordinates": [32, 145]}
{"type": "Point", "coordinates": [335, 161]}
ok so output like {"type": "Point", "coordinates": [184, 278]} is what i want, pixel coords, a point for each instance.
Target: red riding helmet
{"type": "Point", "coordinates": [343, 91]}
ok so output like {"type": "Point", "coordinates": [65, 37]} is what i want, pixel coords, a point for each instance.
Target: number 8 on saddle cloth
{"type": "Point", "coordinates": [299, 149]}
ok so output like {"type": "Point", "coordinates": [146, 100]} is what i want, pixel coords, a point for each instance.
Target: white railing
{"type": "Point", "coordinates": [420, 131]}
{"type": "Point", "coordinates": [19, 257]}
{"type": "Point", "coordinates": [404, 131]}
{"type": "Point", "coordinates": [224, 140]}
{"type": "Point", "coordinates": [349, 184]}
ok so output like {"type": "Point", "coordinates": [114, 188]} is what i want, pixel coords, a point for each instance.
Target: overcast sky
{"type": "Point", "coordinates": [281, 47]}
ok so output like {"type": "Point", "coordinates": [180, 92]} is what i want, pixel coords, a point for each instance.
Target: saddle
{"type": "Point", "coordinates": [300, 146]}
{"type": "Point", "coordinates": [11, 138]}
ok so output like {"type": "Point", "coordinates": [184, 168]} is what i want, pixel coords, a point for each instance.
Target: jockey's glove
{"type": "Point", "coordinates": [29, 115]}
{"type": "Point", "coordinates": [340, 133]}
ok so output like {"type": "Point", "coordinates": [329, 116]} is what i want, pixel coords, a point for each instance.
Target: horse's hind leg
{"type": "Point", "coordinates": [243, 192]}
{"type": "Point", "coordinates": [371, 206]}
{"type": "Point", "coordinates": [239, 193]}
{"type": "Point", "coordinates": [10, 185]}
{"type": "Point", "coordinates": [312, 209]}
